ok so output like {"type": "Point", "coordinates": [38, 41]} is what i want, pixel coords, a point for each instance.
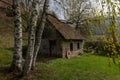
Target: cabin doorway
{"type": "Point", "coordinates": [53, 47]}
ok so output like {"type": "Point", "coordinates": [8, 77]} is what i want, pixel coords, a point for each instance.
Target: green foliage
{"type": "Point", "coordinates": [105, 48]}
{"type": "Point", "coordinates": [113, 50]}
{"type": "Point", "coordinates": [111, 45]}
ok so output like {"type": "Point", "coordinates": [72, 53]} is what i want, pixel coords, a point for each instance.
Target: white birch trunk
{"type": "Point", "coordinates": [39, 32]}
{"type": "Point", "coordinates": [31, 38]}
{"type": "Point", "coordinates": [17, 56]}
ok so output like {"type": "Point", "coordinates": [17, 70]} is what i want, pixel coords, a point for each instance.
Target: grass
{"type": "Point", "coordinates": [84, 67]}
{"type": "Point", "coordinates": [5, 57]}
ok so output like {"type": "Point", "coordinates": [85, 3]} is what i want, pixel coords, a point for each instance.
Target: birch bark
{"type": "Point", "coordinates": [17, 56]}
{"type": "Point", "coordinates": [39, 32]}
{"type": "Point", "coordinates": [31, 37]}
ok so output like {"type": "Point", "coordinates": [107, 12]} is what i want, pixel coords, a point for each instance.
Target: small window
{"type": "Point", "coordinates": [71, 46]}
{"type": "Point", "coordinates": [78, 46]}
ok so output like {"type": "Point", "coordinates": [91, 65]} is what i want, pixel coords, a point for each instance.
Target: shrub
{"type": "Point", "coordinates": [104, 48]}
{"type": "Point", "coordinates": [95, 47]}
{"type": "Point", "coordinates": [113, 50]}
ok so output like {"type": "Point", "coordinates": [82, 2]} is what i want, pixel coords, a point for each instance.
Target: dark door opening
{"type": "Point", "coordinates": [78, 46]}
{"type": "Point", "coordinates": [71, 46]}
{"type": "Point", "coordinates": [52, 47]}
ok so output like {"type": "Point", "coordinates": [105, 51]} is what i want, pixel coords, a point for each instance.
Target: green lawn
{"type": "Point", "coordinates": [5, 57]}
{"type": "Point", "coordinates": [84, 67]}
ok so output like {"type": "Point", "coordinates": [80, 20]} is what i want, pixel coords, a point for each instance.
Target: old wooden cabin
{"type": "Point", "coordinates": [60, 39]}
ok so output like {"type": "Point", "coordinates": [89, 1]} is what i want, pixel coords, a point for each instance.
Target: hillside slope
{"type": "Point", "coordinates": [6, 30]}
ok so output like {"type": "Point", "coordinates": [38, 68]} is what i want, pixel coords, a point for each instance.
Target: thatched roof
{"type": "Point", "coordinates": [64, 29]}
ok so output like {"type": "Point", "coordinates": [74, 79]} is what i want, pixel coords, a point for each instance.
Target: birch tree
{"type": "Point", "coordinates": [112, 14]}
{"type": "Point", "coordinates": [40, 29]}
{"type": "Point", "coordinates": [31, 37]}
{"type": "Point", "coordinates": [17, 56]}
{"type": "Point", "coordinates": [112, 39]}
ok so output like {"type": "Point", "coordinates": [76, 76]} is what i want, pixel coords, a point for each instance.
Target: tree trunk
{"type": "Point", "coordinates": [17, 56]}
{"type": "Point", "coordinates": [31, 37]}
{"type": "Point", "coordinates": [39, 32]}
